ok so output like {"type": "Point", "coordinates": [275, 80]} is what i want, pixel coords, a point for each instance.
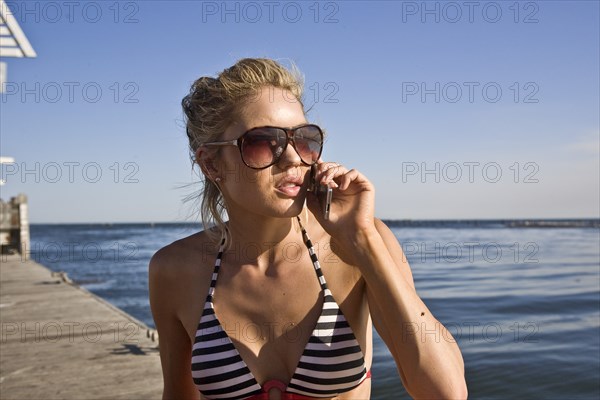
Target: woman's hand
{"type": "Point", "coordinates": [352, 205]}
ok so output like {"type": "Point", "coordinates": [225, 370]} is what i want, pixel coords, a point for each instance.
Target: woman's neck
{"type": "Point", "coordinates": [262, 241]}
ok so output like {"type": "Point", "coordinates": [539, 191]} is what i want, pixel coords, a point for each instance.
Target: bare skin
{"type": "Point", "coordinates": [268, 298]}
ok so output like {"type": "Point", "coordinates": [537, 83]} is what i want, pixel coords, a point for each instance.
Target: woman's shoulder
{"type": "Point", "coordinates": [191, 254]}
{"type": "Point", "coordinates": [177, 273]}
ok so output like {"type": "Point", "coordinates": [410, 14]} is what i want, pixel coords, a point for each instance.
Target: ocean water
{"type": "Point", "coordinates": [522, 299]}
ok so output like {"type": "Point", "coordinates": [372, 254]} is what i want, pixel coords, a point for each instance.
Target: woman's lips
{"type": "Point", "coordinates": [289, 188]}
{"type": "Point", "coordinates": [290, 185]}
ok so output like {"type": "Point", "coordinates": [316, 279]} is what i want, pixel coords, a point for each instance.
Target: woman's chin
{"type": "Point", "coordinates": [292, 209]}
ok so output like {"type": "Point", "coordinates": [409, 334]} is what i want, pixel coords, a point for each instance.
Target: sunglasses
{"type": "Point", "coordinates": [262, 147]}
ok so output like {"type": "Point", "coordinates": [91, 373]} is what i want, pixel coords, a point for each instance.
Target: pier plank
{"type": "Point", "coordinates": [58, 341]}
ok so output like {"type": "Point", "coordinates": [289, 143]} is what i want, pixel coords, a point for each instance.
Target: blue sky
{"type": "Point", "coordinates": [484, 110]}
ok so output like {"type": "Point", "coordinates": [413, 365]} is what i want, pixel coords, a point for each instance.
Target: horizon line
{"type": "Point", "coordinates": [383, 219]}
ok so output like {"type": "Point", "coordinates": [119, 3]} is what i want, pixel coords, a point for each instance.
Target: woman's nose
{"type": "Point", "coordinates": [289, 157]}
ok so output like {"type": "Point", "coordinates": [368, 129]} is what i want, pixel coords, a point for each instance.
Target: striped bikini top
{"type": "Point", "coordinates": [331, 363]}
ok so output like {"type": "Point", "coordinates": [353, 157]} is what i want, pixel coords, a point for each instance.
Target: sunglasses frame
{"type": "Point", "coordinates": [289, 136]}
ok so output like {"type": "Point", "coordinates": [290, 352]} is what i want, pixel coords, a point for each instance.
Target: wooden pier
{"type": "Point", "coordinates": [59, 341]}
{"type": "Point", "coordinates": [14, 226]}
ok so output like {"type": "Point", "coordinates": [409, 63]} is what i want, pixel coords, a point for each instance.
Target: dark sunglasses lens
{"type": "Point", "coordinates": [308, 141]}
{"type": "Point", "coordinates": [261, 146]}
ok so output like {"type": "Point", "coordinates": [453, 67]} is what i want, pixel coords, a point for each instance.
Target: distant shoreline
{"type": "Point", "coordinates": [396, 223]}
{"type": "Point", "coordinates": [498, 223]}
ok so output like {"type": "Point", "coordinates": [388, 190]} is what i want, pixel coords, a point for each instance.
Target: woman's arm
{"type": "Point", "coordinates": [427, 357]}
{"type": "Point", "coordinates": [174, 342]}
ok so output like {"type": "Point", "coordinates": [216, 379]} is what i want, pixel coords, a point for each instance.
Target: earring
{"type": "Point", "coordinates": [218, 179]}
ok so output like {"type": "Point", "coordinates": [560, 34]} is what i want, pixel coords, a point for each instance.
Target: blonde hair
{"type": "Point", "coordinates": [214, 103]}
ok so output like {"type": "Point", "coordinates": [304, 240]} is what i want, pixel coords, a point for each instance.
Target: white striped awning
{"type": "Point", "coordinates": [13, 42]}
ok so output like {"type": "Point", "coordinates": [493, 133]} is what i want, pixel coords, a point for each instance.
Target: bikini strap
{"type": "Point", "coordinates": [313, 256]}
{"type": "Point", "coordinates": [215, 274]}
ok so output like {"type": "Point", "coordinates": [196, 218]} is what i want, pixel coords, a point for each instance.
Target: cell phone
{"type": "Point", "coordinates": [324, 193]}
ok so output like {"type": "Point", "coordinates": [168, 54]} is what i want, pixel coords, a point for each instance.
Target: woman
{"type": "Point", "coordinates": [253, 308]}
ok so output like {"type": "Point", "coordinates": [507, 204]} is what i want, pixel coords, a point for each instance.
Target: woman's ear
{"type": "Point", "coordinates": [207, 162]}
